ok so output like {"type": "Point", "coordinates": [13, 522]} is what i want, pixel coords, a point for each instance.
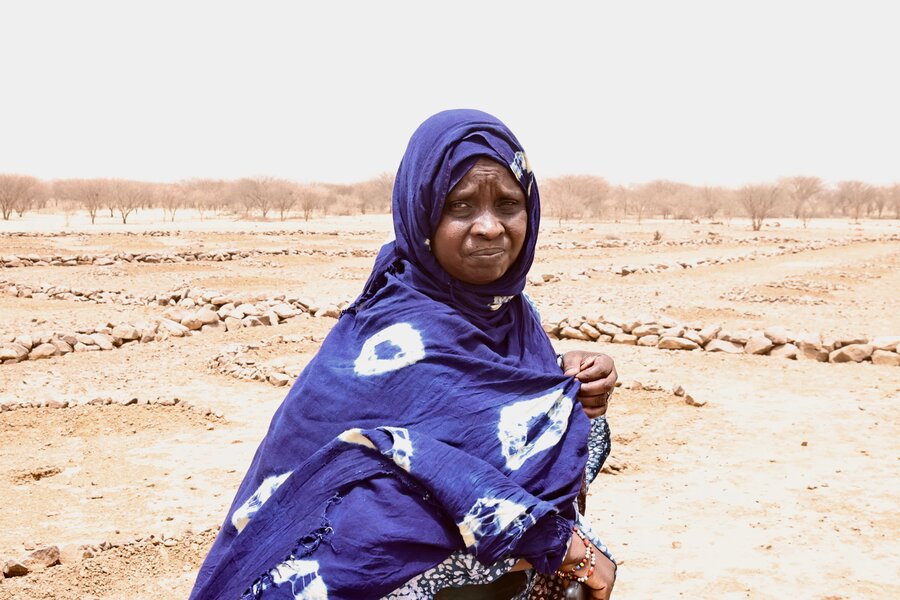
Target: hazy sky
{"type": "Point", "coordinates": [716, 92]}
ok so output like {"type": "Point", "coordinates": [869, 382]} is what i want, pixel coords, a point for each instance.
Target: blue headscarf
{"type": "Point", "coordinates": [433, 419]}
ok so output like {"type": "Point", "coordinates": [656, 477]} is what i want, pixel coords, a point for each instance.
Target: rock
{"type": "Point", "coordinates": [590, 330]}
{"type": "Point", "coordinates": [813, 351]}
{"type": "Point", "coordinates": [573, 334]}
{"type": "Point", "coordinates": [279, 379]}
{"type": "Point", "coordinates": [13, 351]}
{"type": "Point", "coordinates": [677, 343]}
{"type": "Point", "coordinates": [192, 322]}
{"type": "Point", "coordinates": [649, 329]}
{"type": "Point", "coordinates": [102, 340]}
{"type": "Point", "coordinates": [676, 332]}
{"type": "Point", "coordinates": [14, 568]}
{"type": "Point", "coordinates": [84, 338]}
{"type": "Point", "coordinates": [535, 280]}
{"type": "Point", "coordinates": [785, 351]}
{"type": "Point", "coordinates": [691, 401]}
{"type": "Point", "coordinates": [264, 319]}
{"type": "Point", "coordinates": [624, 338]}
{"type": "Point", "coordinates": [62, 346]}
{"type": "Point", "coordinates": [285, 311]}
{"type": "Point", "coordinates": [173, 328]}
{"type": "Point", "coordinates": [648, 340]}
{"type": "Point", "coordinates": [709, 333]}
{"type": "Point", "coordinates": [608, 329]}
{"type": "Point", "coordinates": [884, 357]}
{"type": "Point", "coordinates": [692, 335]}
{"type": "Point", "coordinates": [213, 326]}
{"type": "Point", "coordinates": [207, 316]}
{"type": "Point", "coordinates": [232, 323]}
{"type": "Point", "coordinates": [667, 322]}
{"type": "Point", "coordinates": [251, 321]}
{"type": "Point", "coordinates": [628, 326]}
{"type": "Point", "coordinates": [25, 341]}
{"type": "Point", "coordinates": [737, 337]}
{"type": "Point", "coordinates": [851, 353]}
{"type": "Point", "coordinates": [678, 390]}
{"type": "Point", "coordinates": [758, 344]}
{"type": "Point", "coordinates": [850, 341]}
{"type": "Point", "coordinates": [329, 311]}
{"type": "Point", "coordinates": [43, 351]}
{"type": "Point", "coordinates": [247, 309]}
{"type": "Point", "coordinates": [718, 345]}
{"type": "Point", "coordinates": [777, 334]}
{"type": "Point", "coordinates": [126, 332]}
{"type": "Point", "coordinates": [42, 559]}
{"type": "Point", "coordinates": [888, 342]}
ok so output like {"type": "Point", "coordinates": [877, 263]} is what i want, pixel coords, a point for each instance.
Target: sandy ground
{"type": "Point", "coordinates": [783, 485]}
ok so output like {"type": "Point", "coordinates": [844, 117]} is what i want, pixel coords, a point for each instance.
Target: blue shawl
{"type": "Point", "coordinates": [434, 418]}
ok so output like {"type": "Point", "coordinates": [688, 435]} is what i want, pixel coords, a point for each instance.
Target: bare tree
{"type": "Point", "coordinates": [17, 193]}
{"type": "Point", "coordinates": [893, 194]}
{"type": "Point", "coordinates": [127, 196]}
{"type": "Point", "coordinates": [255, 193]}
{"type": "Point", "coordinates": [310, 198]}
{"type": "Point", "coordinates": [90, 194]}
{"type": "Point", "coordinates": [560, 201]}
{"type": "Point", "coordinates": [374, 195]}
{"type": "Point", "coordinates": [758, 201]}
{"type": "Point", "coordinates": [801, 192]}
{"type": "Point", "coordinates": [856, 196]}
{"type": "Point", "coordinates": [710, 201]}
{"type": "Point", "coordinates": [171, 198]}
{"type": "Point", "coordinates": [284, 197]}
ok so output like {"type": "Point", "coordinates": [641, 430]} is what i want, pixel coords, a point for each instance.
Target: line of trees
{"type": "Point", "coordinates": [568, 197]}
{"type": "Point", "coordinates": [580, 196]}
{"type": "Point", "coordinates": [249, 197]}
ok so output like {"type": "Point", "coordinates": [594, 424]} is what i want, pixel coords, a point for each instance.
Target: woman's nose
{"type": "Point", "coordinates": [487, 224]}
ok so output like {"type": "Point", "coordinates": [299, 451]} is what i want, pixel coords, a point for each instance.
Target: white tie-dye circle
{"type": "Point", "coordinates": [402, 450]}
{"type": "Point", "coordinates": [302, 574]}
{"type": "Point", "coordinates": [493, 516]}
{"type": "Point", "coordinates": [245, 511]}
{"type": "Point", "coordinates": [514, 426]}
{"type": "Point", "coordinates": [402, 335]}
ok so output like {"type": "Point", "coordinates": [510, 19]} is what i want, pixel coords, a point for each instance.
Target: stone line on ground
{"type": "Point", "coordinates": [537, 279]}
{"type": "Point", "coordinates": [666, 334]}
{"type": "Point", "coordinates": [11, 405]}
{"type": "Point", "coordinates": [189, 311]}
{"type": "Point", "coordinates": [51, 556]}
{"type": "Point", "coordinates": [74, 260]}
{"type": "Point", "coordinates": [177, 233]}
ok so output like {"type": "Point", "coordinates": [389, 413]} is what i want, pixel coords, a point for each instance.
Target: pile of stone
{"type": "Point", "coordinates": [237, 360]}
{"type": "Point", "coordinates": [73, 260]}
{"type": "Point", "coordinates": [667, 334]}
{"type": "Point", "coordinates": [190, 311]}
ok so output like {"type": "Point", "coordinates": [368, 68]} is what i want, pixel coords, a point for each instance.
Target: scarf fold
{"type": "Point", "coordinates": [433, 419]}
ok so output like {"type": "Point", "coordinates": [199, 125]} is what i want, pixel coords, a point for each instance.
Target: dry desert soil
{"type": "Point", "coordinates": [784, 484]}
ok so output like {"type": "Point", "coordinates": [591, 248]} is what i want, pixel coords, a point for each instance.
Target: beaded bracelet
{"type": "Point", "coordinates": [589, 559]}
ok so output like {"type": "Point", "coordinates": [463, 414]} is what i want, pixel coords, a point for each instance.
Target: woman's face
{"type": "Point", "coordinates": [483, 225]}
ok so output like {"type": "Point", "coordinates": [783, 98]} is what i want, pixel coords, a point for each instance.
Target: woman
{"type": "Point", "coordinates": [434, 441]}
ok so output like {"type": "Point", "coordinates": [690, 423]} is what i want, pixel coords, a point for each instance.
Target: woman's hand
{"type": "Point", "coordinates": [597, 374]}
{"type": "Point", "coordinates": [604, 576]}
